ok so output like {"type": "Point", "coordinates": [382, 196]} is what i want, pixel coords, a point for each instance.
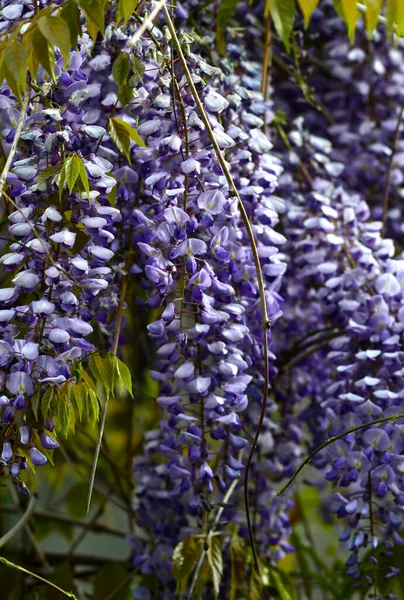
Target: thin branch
{"type": "Point", "coordinates": [148, 21]}
{"type": "Point", "coordinates": [390, 168]}
{"type": "Point", "coordinates": [253, 245]}
{"type": "Point", "coordinates": [48, 515]}
{"type": "Point", "coordinates": [334, 439]}
{"type": "Point", "coordinates": [13, 149]}
{"type": "Point", "coordinates": [7, 537]}
{"type": "Point", "coordinates": [7, 563]}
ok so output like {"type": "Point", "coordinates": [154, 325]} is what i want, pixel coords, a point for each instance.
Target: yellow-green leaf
{"type": "Point", "coordinates": [72, 169]}
{"type": "Point", "coordinates": [283, 16]}
{"type": "Point", "coordinates": [183, 562]}
{"type": "Point", "coordinates": [43, 52]}
{"type": "Point", "coordinates": [124, 376]}
{"type": "Point", "coordinates": [14, 66]}
{"type": "Point", "coordinates": [56, 31]}
{"type": "Point", "coordinates": [126, 9]}
{"type": "Point", "coordinates": [307, 7]}
{"type": "Point", "coordinates": [350, 14]}
{"type": "Point", "coordinates": [373, 10]}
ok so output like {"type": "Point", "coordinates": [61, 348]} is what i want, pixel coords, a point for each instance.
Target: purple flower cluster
{"type": "Point", "coordinates": [59, 243]}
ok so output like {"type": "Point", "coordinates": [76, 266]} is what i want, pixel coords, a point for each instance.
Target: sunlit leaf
{"type": "Point", "coordinates": [72, 168]}
{"type": "Point", "coordinates": [56, 31]}
{"type": "Point", "coordinates": [126, 9]}
{"type": "Point", "coordinates": [307, 7]}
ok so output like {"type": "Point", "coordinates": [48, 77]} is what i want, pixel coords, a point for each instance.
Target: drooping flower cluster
{"type": "Point", "coordinates": [60, 240]}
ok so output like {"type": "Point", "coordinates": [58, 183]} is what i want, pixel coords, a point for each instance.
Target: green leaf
{"type": "Point", "coordinates": [125, 9]}
{"type": "Point", "coordinates": [72, 169]}
{"type": "Point", "coordinates": [350, 14]}
{"type": "Point", "coordinates": [56, 31]}
{"type": "Point", "coordinates": [48, 401]}
{"type": "Point", "coordinates": [109, 579]}
{"type": "Point", "coordinates": [121, 133]}
{"type": "Point", "coordinates": [71, 14]}
{"type": "Point", "coordinates": [94, 11]}
{"type": "Point", "coordinates": [14, 65]}
{"type": "Point", "coordinates": [224, 15]}
{"type": "Point", "coordinates": [120, 69]}
{"type": "Point", "coordinates": [307, 7]}
{"type": "Point", "coordinates": [124, 376]}
{"type": "Point", "coordinates": [283, 16]}
{"type": "Point", "coordinates": [48, 172]}
{"type": "Point", "coordinates": [65, 414]}
{"type": "Point", "coordinates": [183, 561]}
{"type": "Point", "coordinates": [84, 178]}
{"type": "Point", "coordinates": [237, 561]}
{"type": "Point", "coordinates": [215, 560]}
{"type": "Point", "coordinates": [43, 52]}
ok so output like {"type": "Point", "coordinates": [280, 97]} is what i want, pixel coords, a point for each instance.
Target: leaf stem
{"type": "Point", "coordinates": [334, 439]}
{"type": "Point", "coordinates": [7, 563]}
{"type": "Point", "coordinates": [253, 245]}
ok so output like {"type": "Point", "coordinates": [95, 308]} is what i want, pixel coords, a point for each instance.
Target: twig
{"type": "Point", "coordinates": [148, 21]}
{"type": "Point", "coordinates": [390, 169]}
{"type": "Point", "coordinates": [334, 439]}
{"type": "Point", "coordinates": [202, 556]}
{"type": "Point", "coordinates": [13, 149]}
{"type": "Point", "coordinates": [7, 563]}
{"type": "Point", "coordinates": [48, 515]}
{"type": "Point", "coordinates": [253, 245]}
{"type": "Point", "coordinates": [7, 537]}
